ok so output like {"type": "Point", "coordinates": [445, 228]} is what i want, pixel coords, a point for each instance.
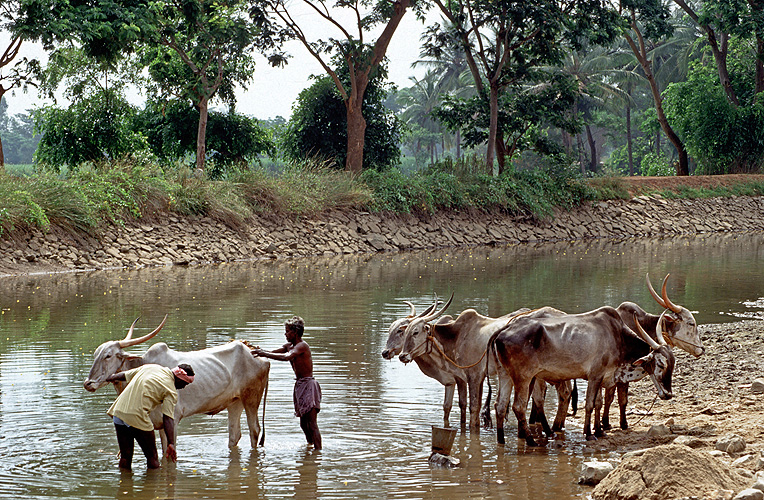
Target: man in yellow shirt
{"type": "Point", "coordinates": [148, 386]}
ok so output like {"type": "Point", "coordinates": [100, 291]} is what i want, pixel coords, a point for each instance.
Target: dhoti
{"type": "Point", "coordinates": [307, 395]}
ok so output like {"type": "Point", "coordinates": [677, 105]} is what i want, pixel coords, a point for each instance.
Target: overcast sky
{"type": "Point", "coordinates": [273, 90]}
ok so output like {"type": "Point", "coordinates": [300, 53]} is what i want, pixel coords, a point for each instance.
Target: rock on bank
{"type": "Point", "coordinates": [175, 240]}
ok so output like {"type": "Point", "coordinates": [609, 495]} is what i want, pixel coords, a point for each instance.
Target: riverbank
{"type": "Point", "coordinates": [168, 239]}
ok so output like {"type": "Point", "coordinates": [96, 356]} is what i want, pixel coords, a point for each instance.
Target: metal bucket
{"type": "Point", "coordinates": [442, 439]}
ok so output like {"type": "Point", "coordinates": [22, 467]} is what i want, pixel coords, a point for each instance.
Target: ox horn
{"type": "Point", "coordinates": [413, 309]}
{"type": "Point", "coordinates": [669, 304]}
{"type": "Point", "coordinates": [435, 315]}
{"type": "Point", "coordinates": [431, 308]}
{"type": "Point", "coordinates": [128, 341]}
{"type": "Point", "coordinates": [644, 336]}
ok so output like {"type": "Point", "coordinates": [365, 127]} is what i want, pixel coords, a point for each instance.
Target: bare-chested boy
{"type": "Point", "coordinates": [307, 392]}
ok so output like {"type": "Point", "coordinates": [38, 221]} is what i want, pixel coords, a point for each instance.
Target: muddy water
{"type": "Point", "coordinates": [57, 442]}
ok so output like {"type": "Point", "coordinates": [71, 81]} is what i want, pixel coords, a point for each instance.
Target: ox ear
{"type": "Point", "coordinates": [644, 360]}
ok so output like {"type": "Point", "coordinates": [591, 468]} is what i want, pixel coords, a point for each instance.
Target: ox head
{"type": "Point", "coordinates": [110, 358]}
{"type": "Point", "coordinates": [398, 328]}
{"type": "Point", "coordinates": [677, 323]}
{"type": "Point", "coordinates": [415, 336]}
{"type": "Point", "coordinates": [659, 364]}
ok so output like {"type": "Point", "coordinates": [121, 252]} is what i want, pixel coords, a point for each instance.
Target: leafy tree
{"type": "Point", "coordinates": [524, 114]}
{"type": "Point", "coordinates": [721, 22]}
{"type": "Point", "coordinates": [194, 48]}
{"type": "Point", "coordinates": [93, 128]}
{"type": "Point", "coordinates": [18, 131]}
{"type": "Point", "coordinates": [318, 126]}
{"type": "Point", "coordinates": [13, 76]}
{"type": "Point", "coordinates": [361, 60]}
{"type": "Point", "coordinates": [504, 39]}
{"type": "Point", "coordinates": [233, 139]}
{"type": "Point", "coordinates": [648, 26]}
{"type": "Point", "coordinates": [722, 137]}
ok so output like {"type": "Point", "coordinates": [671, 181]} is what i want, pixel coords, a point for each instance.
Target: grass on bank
{"type": "Point", "coordinates": [115, 192]}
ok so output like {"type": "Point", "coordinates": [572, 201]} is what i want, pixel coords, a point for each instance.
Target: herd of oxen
{"type": "Point", "coordinates": [525, 350]}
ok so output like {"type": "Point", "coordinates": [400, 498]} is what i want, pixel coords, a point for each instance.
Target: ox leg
{"type": "Point", "coordinates": [503, 392]}
{"type": "Point", "coordinates": [537, 407]}
{"type": "Point", "coordinates": [609, 395]}
{"type": "Point", "coordinates": [522, 391]}
{"type": "Point", "coordinates": [475, 389]}
{"type": "Point", "coordinates": [253, 422]}
{"type": "Point", "coordinates": [461, 389]}
{"type": "Point", "coordinates": [592, 391]}
{"type": "Point", "coordinates": [564, 390]}
{"type": "Point", "coordinates": [234, 422]}
{"type": "Point", "coordinates": [448, 402]}
{"type": "Point", "coordinates": [623, 400]}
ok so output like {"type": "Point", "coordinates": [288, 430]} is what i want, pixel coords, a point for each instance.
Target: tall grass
{"type": "Point", "coordinates": [94, 196]}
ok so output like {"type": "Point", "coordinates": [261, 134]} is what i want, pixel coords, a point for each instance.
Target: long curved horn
{"type": "Point", "coordinates": [130, 332]}
{"type": "Point", "coordinates": [644, 336]}
{"type": "Point", "coordinates": [413, 309]}
{"type": "Point", "coordinates": [435, 315]}
{"type": "Point", "coordinates": [657, 298]}
{"type": "Point", "coordinates": [431, 308]}
{"type": "Point", "coordinates": [128, 341]}
{"type": "Point", "coordinates": [669, 304]}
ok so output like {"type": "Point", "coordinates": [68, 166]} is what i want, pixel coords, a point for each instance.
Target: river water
{"type": "Point", "coordinates": [57, 442]}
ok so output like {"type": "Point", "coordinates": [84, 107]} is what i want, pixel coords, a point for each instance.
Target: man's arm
{"type": "Point", "coordinates": [289, 354]}
{"type": "Point", "coordinates": [169, 429]}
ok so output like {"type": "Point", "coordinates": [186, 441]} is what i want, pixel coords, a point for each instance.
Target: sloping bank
{"type": "Point", "coordinates": [174, 240]}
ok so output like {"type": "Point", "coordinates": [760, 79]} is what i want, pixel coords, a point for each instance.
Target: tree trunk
{"type": "Point", "coordinates": [2, 156]}
{"type": "Point", "coordinates": [593, 163]}
{"type": "Point", "coordinates": [501, 151]}
{"type": "Point", "coordinates": [458, 144]}
{"type": "Point", "coordinates": [759, 67]}
{"type": "Point", "coordinates": [581, 158]}
{"type": "Point", "coordinates": [629, 146]}
{"type": "Point", "coordinates": [641, 54]}
{"type": "Point", "coordinates": [356, 136]}
{"type": "Point", "coordinates": [493, 102]}
{"type": "Point", "coordinates": [201, 136]}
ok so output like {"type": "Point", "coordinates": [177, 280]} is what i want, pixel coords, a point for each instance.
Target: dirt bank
{"type": "Point", "coordinates": [712, 395]}
{"type": "Point", "coordinates": [174, 240]}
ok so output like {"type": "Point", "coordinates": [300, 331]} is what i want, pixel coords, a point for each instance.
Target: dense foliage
{"type": "Point", "coordinates": [318, 127]}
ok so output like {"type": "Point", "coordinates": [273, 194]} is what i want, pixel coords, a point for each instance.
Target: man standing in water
{"type": "Point", "coordinates": [307, 392]}
{"type": "Point", "coordinates": [148, 386]}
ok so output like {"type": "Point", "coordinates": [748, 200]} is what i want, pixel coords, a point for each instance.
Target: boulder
{"type": "Point", "coordinates": [730, 443]}
{"type": "Point", "coordinates": [594, 471]}
{"type": "Point", "coordinates": [668, 471]}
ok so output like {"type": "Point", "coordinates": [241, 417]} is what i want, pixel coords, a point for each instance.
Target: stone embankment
{"type": "Point", "coordinates": [175, 240]}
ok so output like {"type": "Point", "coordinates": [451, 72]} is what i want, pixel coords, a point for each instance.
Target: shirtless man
{"type": "Point", "coordinates": [307, 392]}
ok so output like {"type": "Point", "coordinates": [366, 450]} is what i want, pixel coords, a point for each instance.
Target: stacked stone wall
{"type": "Point", "coordinates": [174, 240]}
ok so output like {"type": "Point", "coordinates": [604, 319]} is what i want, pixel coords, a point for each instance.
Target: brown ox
{"type": "Point", "coordinates": [227, 377]}
{"type": "Point", "coordinates": [677, 326]}
{"type": "Point", "coordinates": [557, 348]}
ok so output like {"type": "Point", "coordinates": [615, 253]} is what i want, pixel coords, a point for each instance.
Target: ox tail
{"type": "Point", "coordinates": [265, 397]}
{"type": "Point", "coordinates": [485, 414]}
{"type": "Point", "coordinates": [574, 397]}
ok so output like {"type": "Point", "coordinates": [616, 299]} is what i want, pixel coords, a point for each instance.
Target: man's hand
{"type": "Point", "coordinates": [171, 453]}
{"type": "Point", "coordinates": [257, 351]}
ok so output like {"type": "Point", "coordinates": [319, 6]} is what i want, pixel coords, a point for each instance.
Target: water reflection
{"type": "Point", "coordinates": [56, 441]}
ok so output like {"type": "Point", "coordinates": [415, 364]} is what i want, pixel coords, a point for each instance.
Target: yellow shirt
{"type": "Point", "coordinates": [148, 386]}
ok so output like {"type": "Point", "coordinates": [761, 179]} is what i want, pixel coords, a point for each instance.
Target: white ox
{"type": "Point", "coordinates": [227, 377]}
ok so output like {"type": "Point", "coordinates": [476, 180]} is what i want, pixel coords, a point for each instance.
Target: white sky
{"type": "Point", "coordinates": [273, 90]}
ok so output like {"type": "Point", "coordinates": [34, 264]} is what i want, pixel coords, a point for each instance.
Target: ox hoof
{"type": "Point", "coordinates": [591, 437]}
{"type": "Point", "coordinates": [531, 443]}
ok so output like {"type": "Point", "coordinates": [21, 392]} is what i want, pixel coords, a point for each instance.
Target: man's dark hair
{"type": "Point", "coordinates": [295, 324]}
{"type": "Point", "coordinates": [187, 368]}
